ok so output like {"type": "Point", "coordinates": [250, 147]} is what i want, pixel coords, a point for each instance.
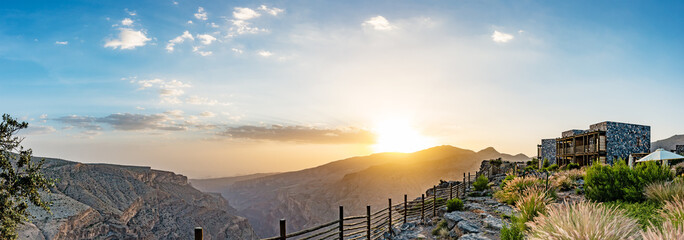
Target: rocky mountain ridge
{"type": "Point", "coordinates": [311, 196]}
{"type": "Point", "coordinates": [104, 201]}
{"type": "Point", "coordinates": [668, 143]}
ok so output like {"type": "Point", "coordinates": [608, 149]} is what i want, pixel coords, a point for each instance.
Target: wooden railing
{"type": "Point", "coordinates": [374, 225]}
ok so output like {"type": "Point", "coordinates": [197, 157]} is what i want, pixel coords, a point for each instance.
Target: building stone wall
{"type": "Point", "coordinates": [548, 150]}
{"type": "Point", "coordinates": [679, 149]}
{"type": "Point", "coordinates": [623, 139]}
{"type": "Point", "coordinates": [572, 132]}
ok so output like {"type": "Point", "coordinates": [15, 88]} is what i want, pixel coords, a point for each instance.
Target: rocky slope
{"type": "Point", "coordinates": [311, 196]}
{"type": "Point", "coordinates": [102, 201]}
{"type": "Point", "coordinates": [668, 143]}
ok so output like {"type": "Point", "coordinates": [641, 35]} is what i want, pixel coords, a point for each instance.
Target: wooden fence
{"type": "Point", "coordinates": [376, 224]}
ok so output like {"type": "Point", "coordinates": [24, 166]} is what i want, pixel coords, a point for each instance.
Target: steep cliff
{"type": "Point", "coordinates": [103, 201]}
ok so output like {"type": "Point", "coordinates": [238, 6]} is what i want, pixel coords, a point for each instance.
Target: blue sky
{"type": "Point", "coordinates": [281, 85]}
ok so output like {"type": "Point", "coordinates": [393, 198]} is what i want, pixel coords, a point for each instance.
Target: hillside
{"type": "Point", "coordinates": [668, 143]}
{"type": "Point", "coordinates": [311, 196]}
{"type": "Point", "coordinates": [103, 201]}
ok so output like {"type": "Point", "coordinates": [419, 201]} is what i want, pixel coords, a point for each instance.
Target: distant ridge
{"type": "Point", "coordinates": [311, 196]}
{"type": "Point", "coordinates": [668, 143]}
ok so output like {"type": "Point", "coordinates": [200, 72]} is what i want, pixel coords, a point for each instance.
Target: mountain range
{"type": "Point", "coordinates": [311, 196]}
{"type": "Point", "coordinates": [104, 201]}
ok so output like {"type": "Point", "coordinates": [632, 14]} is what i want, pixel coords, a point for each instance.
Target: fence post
{"type": "Point", "coordinates": [464, 185]}
{"type": "Point", "coordinates": [389, 211]}
{"type": "Point", "coordinates": [457, 188]}
{"type": "Point", "coordinates": [451, 191]}
{"type": "Point", "coordinates": [469, 181]}
{"type": "Point", "coordinates": [283, 232]}
{"type": "Point", "coordinates": [434, 200]}
{"type": "Point", "coordinates": [422, 207]}
{"type": "Point", "coordinates": [405, 208]}
{"type": "Point", "coordinates": [198, 233]}
{"type": "Point", "coordinates": [368, 222]}
{"type": "Point", "coordinates": [341, 222]}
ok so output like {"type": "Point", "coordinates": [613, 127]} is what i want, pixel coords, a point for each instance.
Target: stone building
{"type": "Point", "coordinates": [605, 142]}
{"type": "Point", "coordinates": [679, 149]}
{"type": "Point", "coordinates": [547, 150]}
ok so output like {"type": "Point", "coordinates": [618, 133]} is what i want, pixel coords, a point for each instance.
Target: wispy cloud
{"type": "Point", "coordinates": [241, 13]}
{"type": "Point", "coordinates": [201, 14]}
{"type": "Point", "coordinates": [300, 134]}
{"type": "Point", "coordinates": [177, 40]}
{"type": "Point", "coordinates": [206, 39]}
{"type": "Point", "coordinates": [62, 42]}
{"type": "Point", "coordinates": [501, 37]}
{"type": "Point", "coordinates": [169, 91]}
{"type": "Point", "coordinates": [273, 11]}
{"type": "Point", "coordinates": [265, 53]}
{"type": "Point", "coordinates": [200, 52]}
{"type": "Point", "coordinates": [127, 22]}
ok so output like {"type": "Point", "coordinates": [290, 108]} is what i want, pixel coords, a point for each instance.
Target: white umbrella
{"type": "Point", "coordinates": [660, 155]}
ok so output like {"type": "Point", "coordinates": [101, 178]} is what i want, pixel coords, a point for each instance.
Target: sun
{"type": "Point", "coordinates": [398, 135]}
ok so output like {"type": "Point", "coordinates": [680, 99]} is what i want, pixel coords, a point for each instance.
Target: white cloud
{"type": "Point", "coordinates": [132, 13]}
{"type": "Point", "coordinates": [214, 25]}
{"type": "Point", "coordinates": [62, 42]}
{"type": "Point", "coordinates": [206, 38]}
{"type": "Point", "coordinates": [501, 37]}
{"type": "Point", "coordinates": [179, 39]}
{"type": "Point", "coordinates": [378, 23]}
{"type": "Point", "coordinates": [140, 108]}
{"type": "Point", "coordinates": [265, 53]}
{"type": "Point", "coordinates": [236, 50]}
{"type": "Point", "coordinates": [207, 114]}
{"type": "Point", "coordinates": [36, 130]}
{"type": "Point", "coordinates": [245, 13]}
{"type": "Point", "coordinates": [202, 53]}
{"type": "Point", "coordinates": [169, 91]}
{"type": "Point", "coordinates": [521, 31]}
{"type": "Point", "coordinates": [43, 116]}
{"type": "Point", "coordinates": [189, 21]}
{"type": "Point", "coordinates": [128, 39]}
{"type": "Point", "coordinates": [126, 22]}
{"type": "Point", "coordinates": [174, 113]}
{"type": "Point", "coordinates": [201, 14]}
{"type": "Point", "coordinates": [175, 3]}
{"type": "Point", "coordinates": [272, 11]}
{"type": "Point", "coordinates": [243, 27]}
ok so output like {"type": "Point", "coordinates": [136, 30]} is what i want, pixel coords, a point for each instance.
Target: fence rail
{"type": "Point", "coordinates": [375, 225]}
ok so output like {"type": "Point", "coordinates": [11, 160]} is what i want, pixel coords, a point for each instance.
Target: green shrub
{"type": "Point", "coordinates": [507, 179]}
{"type": "Point", "coordinates": [571, 166]}
{"type": "Point", "coordinates": [644, 212]}
{"type": "Point", "coordinates": [618, 182]}
{"type": "Point", "coordinates": [546, 163]}
{"type": "Point", "coordinates": [673, 223]}
{"type": "Point", "coordinates": [514, 231]}
{"type": "Point", "coordinates": [496, 162]}
{"type": "Point", "coordinates": [481, 183]}
{"type": "Point", "coordinates": [454, 205]}
{"type": "Point", "coordinates": [511, 192]}
{"type": "Point", "coordinates": [552, 167]}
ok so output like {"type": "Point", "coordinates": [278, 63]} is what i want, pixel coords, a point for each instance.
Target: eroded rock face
{"type": "Point", "coordinates": [102, 201]}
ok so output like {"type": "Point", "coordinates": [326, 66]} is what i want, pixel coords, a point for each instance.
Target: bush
{"type": "Point", "coordinates": [442, 229]}
{"type": "Point", "coordinates": [545, 164]}
{"type": "Point", "coordinates": [665, 191]}
{"type": "Point", "coordinates": [514, 231]}
{"type": "Point", "coordinates": [533, 202]}
{"type": "Point", "coordinates": [496, 162]}
{"type": "Point", "coordinates": [563, 182]}
{"type": "Point", "coordinates": [507, 179]}
{"type": "Point", "coordinates": [571, 166]}
{"type": "Point", "coordinates": [583, 220]}
{"type": "Point", "coordinates": [454, 205]}
{"type": "Point", "coordinates": [481, 183]}
{"type": "Point", "coordinates": [645, 213]}
{"type": "Point", "coordinates": [619, 182]}
{"type": "Point", "coordinates": [552, 167]}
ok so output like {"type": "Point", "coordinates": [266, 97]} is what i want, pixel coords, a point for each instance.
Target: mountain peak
{"type": "Point", "coordinates": [489, 150]}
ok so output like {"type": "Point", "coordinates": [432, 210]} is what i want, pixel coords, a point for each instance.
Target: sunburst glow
{"type": "Point", "coordinates": [398, 135]}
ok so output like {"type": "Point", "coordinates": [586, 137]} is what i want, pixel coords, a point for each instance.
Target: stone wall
{"type": "Point", "coordinates": [548, 150]}
{"type": "Point", "coordinates": [623, 139]}
{"type": "Point", "coordinates": [679, 149]}
{"type": "Point", "coordinates": [572, 132]}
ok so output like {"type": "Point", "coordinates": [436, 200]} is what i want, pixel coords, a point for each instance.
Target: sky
{"type": "Point", "coordinates": [223, 88]}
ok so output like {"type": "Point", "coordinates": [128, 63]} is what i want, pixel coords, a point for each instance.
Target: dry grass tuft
{"type": "Point", "coordinates": [673, 227]}
{"type": "Point", "coordinates": [665, 191]}
{"type": "Point", "coordinates": [583, 220]}
{"type": "Point", "coordinates": [533, 202]}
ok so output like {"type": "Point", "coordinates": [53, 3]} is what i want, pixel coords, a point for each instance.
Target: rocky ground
{"type": "Point", "coordinates": [482, 218]}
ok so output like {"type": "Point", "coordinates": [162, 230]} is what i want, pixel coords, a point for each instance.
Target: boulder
{"type": "Point", "coordinates": [492, 222]}
{"type": "Point", "coordinates": [473, 236]}
{"type": "Point", "coordinates": [468, 226]}
{"type": "Point", "coordinates": [505, 210]}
